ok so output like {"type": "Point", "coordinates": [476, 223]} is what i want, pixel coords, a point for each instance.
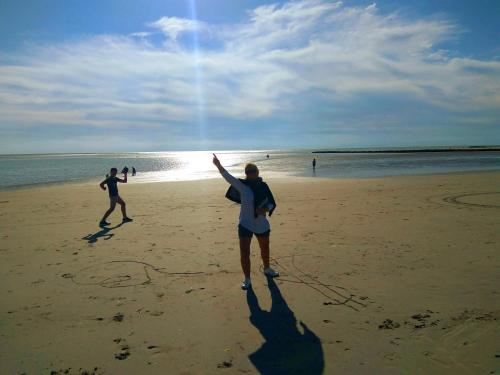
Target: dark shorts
{"type": "Point", "coordinates": [244, 232]}
{"type": "Point", "coordinates": [114, 198]}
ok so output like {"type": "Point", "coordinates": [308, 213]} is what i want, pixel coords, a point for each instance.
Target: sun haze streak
{"type": "Point", "coordinates": [198, 77]}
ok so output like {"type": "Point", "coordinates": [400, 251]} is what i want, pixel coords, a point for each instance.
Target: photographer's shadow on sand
{"type": "Point", "coordinates": [103, 233]}
{"type": "Point", "coordinates": [286, 350]}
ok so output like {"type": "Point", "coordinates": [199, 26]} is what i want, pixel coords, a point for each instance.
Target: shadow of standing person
{"type": "Point", "coordinates": [103, 233]}
{"type": "Point", "coordinates": [286, 350]}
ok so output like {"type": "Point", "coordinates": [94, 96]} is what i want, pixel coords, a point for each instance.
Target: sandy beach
{"type": "Point", "coordinates": [393, 275]}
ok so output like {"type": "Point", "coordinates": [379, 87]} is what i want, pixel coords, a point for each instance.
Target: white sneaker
{"type": "Point", "coordinates": [270, 272]}
{"type": "Point", "coordinates": [247, 284]}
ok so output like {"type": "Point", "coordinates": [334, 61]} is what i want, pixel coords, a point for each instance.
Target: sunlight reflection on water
{"type": "Point", "coordinates": [184, 166]}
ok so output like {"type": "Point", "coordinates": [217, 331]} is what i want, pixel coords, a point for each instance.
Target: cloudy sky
{"type": "Point", "coordinates": [151, 75]}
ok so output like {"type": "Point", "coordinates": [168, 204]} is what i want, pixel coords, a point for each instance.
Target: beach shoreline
{"type": "Point", "coordinates": [273, 177]}
{"type": "Point", "coordinates": [388, 275]}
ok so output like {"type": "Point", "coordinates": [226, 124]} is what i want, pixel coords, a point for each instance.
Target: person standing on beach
{"type": "Point", "coordinates": [314, 163]}
{"type": "Point", "coordinates": [133, 171]}
{"type": "Point", "coordinates": [256, 201]}
{"type": "Point", "coordinates": [112, 182]}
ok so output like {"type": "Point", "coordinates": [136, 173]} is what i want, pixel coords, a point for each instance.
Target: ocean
{"type": "Point", "coordinates": [25, 170]}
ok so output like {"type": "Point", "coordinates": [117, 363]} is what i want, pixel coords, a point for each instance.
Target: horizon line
{"type": "Point", "coordinates": [312, 149]}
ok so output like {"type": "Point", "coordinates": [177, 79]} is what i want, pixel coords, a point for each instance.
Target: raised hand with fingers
{"type": "Point", "coordinates": [217, 163]}
{"type": "Point", "coordinates": [216, 160]}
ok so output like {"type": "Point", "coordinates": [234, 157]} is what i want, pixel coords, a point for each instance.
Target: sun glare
{"type": "Point", "coordinates": [198, 77]}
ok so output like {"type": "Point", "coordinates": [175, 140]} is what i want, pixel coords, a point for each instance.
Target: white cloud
{"type": "Point", "coordinates": [172, 27]}
{"type": "Point", "coordinates": [260, 68]}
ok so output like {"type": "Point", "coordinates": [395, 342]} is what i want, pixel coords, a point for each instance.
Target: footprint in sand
{"type": "Point", "coordinates": [118, 317]}
{"type": "Point", "coordinates": [122, 355]}
{"type": "Point", "coordinates": [124, 350]}
{"type": "Point", "coordinates": [225, 364]}
{"type": "Point", "coordinates": [81, 371]}
{"type": "Point", "coordinates": [389, 324]}
{"type": "Point", "coordinates": [156, 313]}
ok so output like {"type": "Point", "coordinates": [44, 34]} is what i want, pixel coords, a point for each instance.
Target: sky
{"type": "Point", "coordinates": [155, 75]}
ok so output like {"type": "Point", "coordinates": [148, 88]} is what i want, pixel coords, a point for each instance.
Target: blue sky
{"type": "Point", "coordinates": [210, 74]}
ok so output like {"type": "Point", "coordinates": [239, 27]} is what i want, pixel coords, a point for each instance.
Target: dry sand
{"type": "Point", "coordinates": [379, 276]}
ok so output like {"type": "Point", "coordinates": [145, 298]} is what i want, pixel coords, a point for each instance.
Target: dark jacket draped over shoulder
{"type": "Point", "coordinates": [263, 197]}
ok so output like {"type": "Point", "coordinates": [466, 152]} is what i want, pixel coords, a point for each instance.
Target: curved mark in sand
{"type": "Point", "coordinates": [459, 199]}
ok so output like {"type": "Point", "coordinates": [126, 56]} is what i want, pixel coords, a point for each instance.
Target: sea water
{"type": "Point", "coordinates": [22, 170]}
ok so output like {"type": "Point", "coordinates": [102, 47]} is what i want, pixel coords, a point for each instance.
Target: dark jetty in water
{"type": "Point", "coordinates": [410, 150]}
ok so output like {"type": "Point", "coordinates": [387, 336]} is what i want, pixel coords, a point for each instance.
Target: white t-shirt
{"type": "Point", "coordinates": [258, 224]}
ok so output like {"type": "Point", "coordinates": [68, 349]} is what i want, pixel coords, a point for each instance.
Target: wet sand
{"type": "Point", "coordinates": [392, 275]}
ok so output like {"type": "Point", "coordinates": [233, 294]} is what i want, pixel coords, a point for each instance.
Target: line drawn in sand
{"type": "Point", "coordinates": [459, 200]}
{"type": "Point", "coordinates": [337, 295]}
{"type": "Point", "coordinates": [129, 279]}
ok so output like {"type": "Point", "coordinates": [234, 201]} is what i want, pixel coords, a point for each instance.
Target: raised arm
{"type": "Point", "coordinates": [124, 179]}
{"type": "Point", "coordinates": [237, 184]}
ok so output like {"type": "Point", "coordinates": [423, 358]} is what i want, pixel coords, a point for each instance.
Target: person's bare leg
{"type": "Point", "coordinates": [123, 206]}
{"type": "Point", "coordinates": [245, 255]}
{"type": "Point", "coordinates": [264, 250]}
{"type": "Point", "coordinates": [111, 208]}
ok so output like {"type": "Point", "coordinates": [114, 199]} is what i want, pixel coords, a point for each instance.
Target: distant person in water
{"type": "Point", "coordinates": [256, 201]}
{"type": "Point", "coordinates": [268, 156]}
{"type": "Point", "coordinates": [112, 182]}
{"type": "Point", "coordinates": [314, 163]}
{"type": "Point", "coordinates": [133, 171]}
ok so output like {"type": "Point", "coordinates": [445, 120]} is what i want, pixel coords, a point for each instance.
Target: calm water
{"type": "Point", "coordinates": [18, 170]}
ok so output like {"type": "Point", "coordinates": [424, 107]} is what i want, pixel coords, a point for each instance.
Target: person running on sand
{"type": "Point", "coordinates": [256, 201]}
{"type": "Point", "coordinates": [112, 182]}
